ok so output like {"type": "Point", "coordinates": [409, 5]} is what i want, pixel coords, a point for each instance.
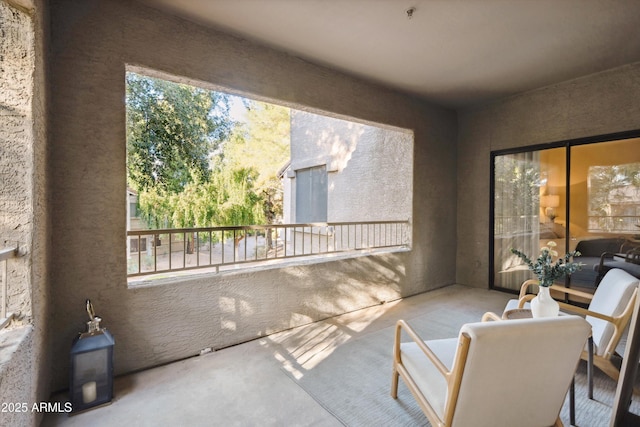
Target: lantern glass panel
{"type": "Point", "coordinates": [92, 371]}
{"type": "Point", "coordinates": [91, 368]}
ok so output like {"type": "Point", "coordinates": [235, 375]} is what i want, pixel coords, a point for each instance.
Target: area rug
{"type": "Point", "coordinates": [353, 382]}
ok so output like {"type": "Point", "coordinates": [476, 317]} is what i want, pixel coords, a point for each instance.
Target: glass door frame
{"type": "Point", "coordinates": [567, 144]}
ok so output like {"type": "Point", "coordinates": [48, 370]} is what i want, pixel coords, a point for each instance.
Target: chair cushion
{"type": "Point", "coordinates": [428, 379]}
{"type": "Point", "coordinates": [513, 304]}
{"type": "Point", "coordinates": [518, 371]}
{"type": "Point", "coordinates": [611, 298]}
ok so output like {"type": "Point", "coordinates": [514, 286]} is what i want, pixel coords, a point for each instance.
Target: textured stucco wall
{"type": "Point", "coordinates": [17, 61]}
{"type": "Point", "coordinates": [24, 367]}
{"type": "Point", "coordinates": [16, 377]}
{"type": "Point", "coordinates": [599, 104]}
{"type": "Point", "coordinates": [91, 43]}
{"type": "Point", "coordinates": [369, 167]}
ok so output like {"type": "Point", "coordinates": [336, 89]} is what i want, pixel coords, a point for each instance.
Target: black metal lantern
{"type": "Point", "coordinates": [91, 366]}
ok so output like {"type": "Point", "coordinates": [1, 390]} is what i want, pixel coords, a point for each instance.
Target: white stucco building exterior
{"type": "Point", "coordinates": [366, 171]}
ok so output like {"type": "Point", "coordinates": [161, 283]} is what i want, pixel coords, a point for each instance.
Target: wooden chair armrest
{"type": "Point", "coordinates": [525, 286]}
{"type": "Point", "coordinates": [525, 299]}
{"type": "Point", "coordinates": [528, 297]}
{"type": "Point", "coordinates": [489, 315]}
{"type": "Point", "coordinates": [583, 311]}
{"type": "Point", "coordinates": [402, 325]}
{"type": "Point", "coordinates": [568, 307]}
{"type": "Point", "coordinates": [571, 291]}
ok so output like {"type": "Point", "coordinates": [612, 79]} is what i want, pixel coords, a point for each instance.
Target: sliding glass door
{"type": "Point", "coordinates": [528, 188]}
{"type": "Point", "coordinates": [581, 196]}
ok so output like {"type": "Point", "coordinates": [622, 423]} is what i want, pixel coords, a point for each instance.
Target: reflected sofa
{"type": "Point", "coordinates": [591, 250]}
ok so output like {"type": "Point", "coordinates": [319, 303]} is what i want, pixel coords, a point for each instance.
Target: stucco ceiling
{"type": "Point", "coordinates": [453, 52]}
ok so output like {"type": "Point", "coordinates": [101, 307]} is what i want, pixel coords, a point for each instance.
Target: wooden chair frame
{"type": "Point", "coordinates": [602, 362]}
{"type": "Point", "coordinates": [453, 377]}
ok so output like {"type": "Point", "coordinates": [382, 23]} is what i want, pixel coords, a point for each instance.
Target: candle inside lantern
{"type": "Point", "coordinates": [89, 392]}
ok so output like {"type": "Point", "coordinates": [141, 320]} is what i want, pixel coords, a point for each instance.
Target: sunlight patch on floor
{"type": "Point", "coordinates": [303, 348]}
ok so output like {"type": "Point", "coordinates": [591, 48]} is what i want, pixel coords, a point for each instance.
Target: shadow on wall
{"type": "Point", "coordinates": [173, 320]}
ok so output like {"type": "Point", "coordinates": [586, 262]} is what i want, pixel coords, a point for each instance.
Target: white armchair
{"type": "Point", "coordinates": [609, 312]}
{"type": "Point", "coordinates": [511, 373]}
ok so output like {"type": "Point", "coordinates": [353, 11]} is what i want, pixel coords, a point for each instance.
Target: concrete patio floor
{"type": "Point", "coordinates": [246, 385]}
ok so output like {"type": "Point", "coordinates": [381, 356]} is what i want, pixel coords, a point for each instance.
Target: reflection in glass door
{"type": "Point", "coordinates": [529, 210]}
{"type": "Point", "coordinates": [605, 205]}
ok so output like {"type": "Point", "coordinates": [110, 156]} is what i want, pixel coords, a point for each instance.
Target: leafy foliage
{"type": "Point", "coordinates": [545, 269]}
{"type": "Point", "coordinates": [191, 164]}
{"type": "Point", "coordinates": [171, 129]}
{"type": "Point", "coordinates": [613, 190]}
{"type": "Point", "coordinates": [520, 181]}
{"type": "Point", "coordinates": [262, 143]}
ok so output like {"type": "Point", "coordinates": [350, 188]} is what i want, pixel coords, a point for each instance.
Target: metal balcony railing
{"type": "Point", "coordinates": [515, 224]}
{"type": "Point", "coordinates": [171, 250]}
{"type": "Point", "coordinates": [5, 255]}
{"type": "Point", "coordinates": [615, 224]}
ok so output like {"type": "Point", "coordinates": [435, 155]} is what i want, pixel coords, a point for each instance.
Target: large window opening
{"type": "Point", "coordinates": [216, 180]}
{"type": "Point", "coordinates": [582, 196]}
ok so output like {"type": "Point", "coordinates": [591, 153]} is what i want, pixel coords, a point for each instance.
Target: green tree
{"type": "Point", "coordinates": [517, 183]}
{"type": "Point", "coordinates": [171, 129]}
{"type": "Point", "coordinates": [609, 186]}
{"type": "Point", "coordinates": [178, 137]}
{"type": "Point", "coordinates": [262, 143]}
